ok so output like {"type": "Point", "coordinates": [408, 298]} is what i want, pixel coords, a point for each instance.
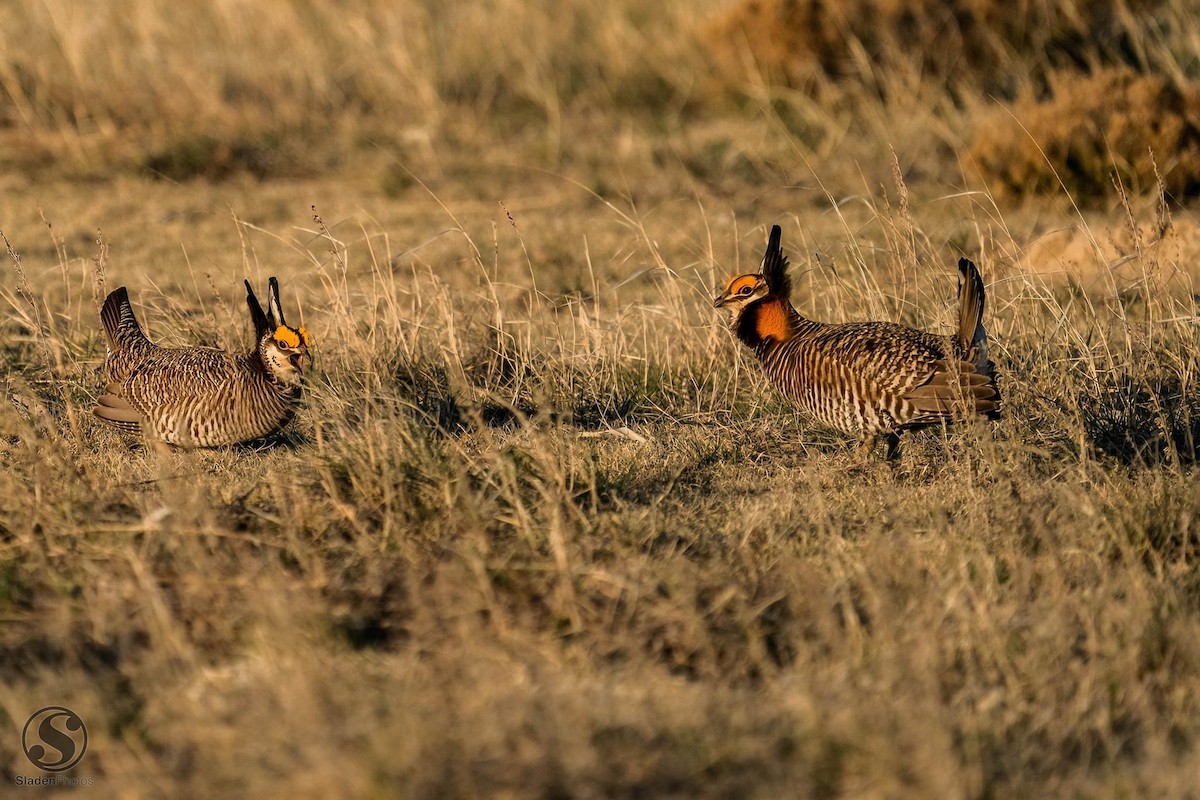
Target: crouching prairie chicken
{"type": "Point", "coordinates": [864, 378]}
{"type": "Point", "coordinates": [200, 396]}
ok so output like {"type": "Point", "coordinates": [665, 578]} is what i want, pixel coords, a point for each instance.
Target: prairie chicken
{"type": "Point", "coordinates": [864, 378]}
{"type": "Point", "coordinates": [200, 396]}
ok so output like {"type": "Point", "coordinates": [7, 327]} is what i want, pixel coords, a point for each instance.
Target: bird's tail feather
{"type": "Point", "coordinates": [971, 298]}
{"type": "Point", "coordinates": [972, 336]}
{"type": "Point", "coordinates": [112, 408]}
{"type": "Point", "coordinates": [120, 324]}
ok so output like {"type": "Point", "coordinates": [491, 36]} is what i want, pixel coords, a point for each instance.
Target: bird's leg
{"type": "Point", "coordinates": [864, 452]}
{"type": "Point", "coordinates": [865, 449]}
{"type": "Point", "coordinates": [893, 445]}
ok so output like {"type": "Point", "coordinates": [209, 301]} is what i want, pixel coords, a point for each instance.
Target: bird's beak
{"type": "Point", "coordinates": [720, 301]}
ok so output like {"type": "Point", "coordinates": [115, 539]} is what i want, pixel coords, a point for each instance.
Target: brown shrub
{"type": "Point", "coordinates": [1090, 127]}
{"type": "Point", "coordinates": [989, 43]}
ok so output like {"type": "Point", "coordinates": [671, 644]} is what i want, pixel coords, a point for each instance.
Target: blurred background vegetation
{"type": "Point", "coordinates": [1044, 93]}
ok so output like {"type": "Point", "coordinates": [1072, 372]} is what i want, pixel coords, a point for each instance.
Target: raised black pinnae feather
{"type": "Point", "coordinates": [261, 324]}
{"type": "Point", "coordinates": [274, 309]}
{"type": "Point", "coordinates": [775, 264]}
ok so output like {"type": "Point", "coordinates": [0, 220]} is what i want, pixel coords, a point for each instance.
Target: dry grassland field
{"type": "Point", "coordinates": [542, 529]}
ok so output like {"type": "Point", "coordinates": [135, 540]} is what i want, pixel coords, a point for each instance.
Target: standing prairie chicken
{"type": "Point", "coordinates": [199, 396]}
{"type": "Point", "coordinates": [864, 378]}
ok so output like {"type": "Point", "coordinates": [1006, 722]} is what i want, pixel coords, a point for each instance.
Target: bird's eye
{"type": "Point", "coordinates": [281, 345]}
{"type": "Point", "coordinates": [745, 290]}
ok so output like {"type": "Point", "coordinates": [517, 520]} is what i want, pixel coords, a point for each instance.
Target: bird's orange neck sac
{"type": "Point", "coordinates": [770, 319]}
{"type": "Point", "coordinates": [773, 320]}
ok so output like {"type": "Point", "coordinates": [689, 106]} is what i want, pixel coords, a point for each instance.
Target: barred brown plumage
{"type": "Point", "coordinates": [199, 396]}
{"type": "Point", "coordinates": [864, 378]}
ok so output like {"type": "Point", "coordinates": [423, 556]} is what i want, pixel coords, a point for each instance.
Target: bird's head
{"type": "Point", "coordinates": [284, 350]}
{"type": "Point", "coordinates": [740, 292]}
{"type": "Point", "coordinates": [757, 303]}
{"type": "Point", "coordinates": [285, 354]}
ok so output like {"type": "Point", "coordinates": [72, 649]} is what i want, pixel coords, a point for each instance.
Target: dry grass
{"type": "Point", "coordinates": [541, 529]}
{"type": "Point", "coordinates": [282, 90]}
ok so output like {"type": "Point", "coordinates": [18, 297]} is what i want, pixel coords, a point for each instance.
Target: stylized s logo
{"type": "Point", "coordinates": [68, 737]}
